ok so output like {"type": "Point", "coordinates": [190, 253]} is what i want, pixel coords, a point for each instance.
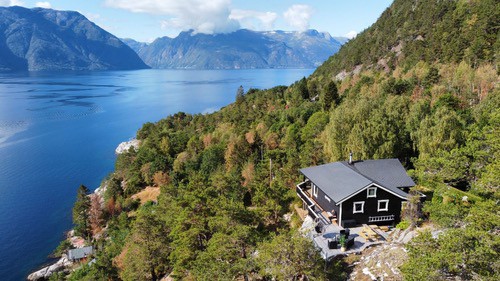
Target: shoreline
{"type": "Point", "coordinates": [62, 263]}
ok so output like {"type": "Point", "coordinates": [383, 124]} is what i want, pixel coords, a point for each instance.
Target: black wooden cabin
{"type": "Point", "coordinates": [356, 192]}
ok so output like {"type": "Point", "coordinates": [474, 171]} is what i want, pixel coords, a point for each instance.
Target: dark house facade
{"type": "Point", "coordinates": [355, 192]}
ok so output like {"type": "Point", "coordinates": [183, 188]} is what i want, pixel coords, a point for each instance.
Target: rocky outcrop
{"type": "Point", "coordinates": [126, 145]}
{"type": "Point", "coordinates": [62, 264]}
{"type": "Point", "coordinates": [380, 262]}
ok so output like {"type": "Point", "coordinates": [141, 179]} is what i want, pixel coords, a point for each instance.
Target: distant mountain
{"type": "Point", "coordinates": [134, 45]}
{"type": "Point", "coordinates": [240, 49]}
{"type": "Point", "coordinates": [341, 39]}
{"type": "Point", "coordinates": [45, 39]}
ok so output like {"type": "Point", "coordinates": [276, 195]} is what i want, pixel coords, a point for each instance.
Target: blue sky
{"type": "Point", "coordinates": [145, 20]}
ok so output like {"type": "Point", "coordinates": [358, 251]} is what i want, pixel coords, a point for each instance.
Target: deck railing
{"type": "Point", "coordinates": [381, 218]}
{"type": "Point", "coordinates": [312, 209]}
{"type": "Point", "coordinates": [303, 195]}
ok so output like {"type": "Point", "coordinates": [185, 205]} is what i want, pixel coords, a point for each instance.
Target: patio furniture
{"type": "Point", "coordinates": [332, 244]}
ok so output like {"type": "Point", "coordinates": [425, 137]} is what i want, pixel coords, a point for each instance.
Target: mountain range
{"type": "Point", "coordinates": [45, 39]}
{"type": "Point", "coordinates": [240, 49]}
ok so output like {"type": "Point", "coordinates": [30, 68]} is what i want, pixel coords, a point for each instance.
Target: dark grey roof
{"type": "Point", "coordinates": [387, 172]}
{"type": "Point", "coordinates": [339, 180]}
{"type": "Point", "coordinates": [336, 180]}
{"type": "Point", "coordinates": [79, 253]}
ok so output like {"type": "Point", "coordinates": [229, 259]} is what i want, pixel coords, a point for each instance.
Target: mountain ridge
{"type": "Point", "coordinates": [240, 49]}
{"type": "Point", "coordinates": [41, 39]}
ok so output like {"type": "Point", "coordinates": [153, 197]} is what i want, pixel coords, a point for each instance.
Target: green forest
{"type": "Point", "coordinates": [420, 85]}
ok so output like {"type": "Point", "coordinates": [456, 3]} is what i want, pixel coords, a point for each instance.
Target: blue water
{"type": "Point", "coordinates": [59, 130]}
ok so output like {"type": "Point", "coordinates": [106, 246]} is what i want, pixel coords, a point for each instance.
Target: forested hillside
{"type": "Point", "coordinates": [448, 31]}
{"type": "Point", "coordinates": [226, 207]}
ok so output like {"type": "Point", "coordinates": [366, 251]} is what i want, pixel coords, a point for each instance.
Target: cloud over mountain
{"type": "Point", "coordinates": [45, 5]}
{"type": "Point", "coordinates": [298, 16]}
{"type": "Point", "coordinates": [11, 3]}
{"type": "Point", "coordinates": [351, 34]}
{"type": "Point", "coordinates": [254, 20]}
{"type": "Point", "coordinates": [214, 16]}
{"type": "Point", "coordinates": [200, 15]}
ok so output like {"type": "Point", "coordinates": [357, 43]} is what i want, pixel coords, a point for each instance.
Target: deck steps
{"type": "Point", "coordinates": [368, 233]}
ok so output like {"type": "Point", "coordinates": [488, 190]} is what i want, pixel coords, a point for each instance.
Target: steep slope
{"type": "Point", "coordinates": [44, 39]}
{"type": "Point", "coordinates": [240, 49]}
{"type": "Point", "coordinates": [428, 30]}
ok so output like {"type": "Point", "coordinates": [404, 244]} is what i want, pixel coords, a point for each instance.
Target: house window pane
{"type": "Point", "coordinates": [358, 207]}
{"type": "Point", "coordinates": [372, 192]}
{"type": "Point", "coordinates": [383, 205]}
{"type": "Point", "coordinates": [315, 190]}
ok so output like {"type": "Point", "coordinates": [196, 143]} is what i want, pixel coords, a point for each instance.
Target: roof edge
{"type": "Point", "coordinates": [378, 185]}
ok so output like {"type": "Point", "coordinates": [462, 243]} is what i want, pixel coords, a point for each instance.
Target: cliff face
{"type": "Point", "coordinates": [44, 39]}
{"type": "Point", "coordinates": [240, 49]}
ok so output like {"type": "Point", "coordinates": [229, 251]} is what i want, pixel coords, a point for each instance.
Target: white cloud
{"type": "Point", "coordinates": [11, 3]}
{"type": "Point", "coordinates": [298, 16]}
{"type": "Point", "coordinates": [351, 34]}
{"type": "Point", "coordinates": [45, 5]}
{"type": "Point", "coordinates": [254, 20]}
{"type": "Point", "coordinates": [201, 15]}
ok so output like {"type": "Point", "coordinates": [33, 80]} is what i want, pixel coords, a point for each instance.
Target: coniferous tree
{"type": "Point", "coordinates": [81, 212]}
{"type": "Point", "coordinates": [329, 96]}
{"type": "Point", "coordinates": [239, 94]}
{"type": "Point", "coordinates": [302, 88]}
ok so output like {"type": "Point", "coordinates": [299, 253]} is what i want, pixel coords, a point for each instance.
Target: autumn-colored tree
{"type": "Point", "coordinates": [96, 219]}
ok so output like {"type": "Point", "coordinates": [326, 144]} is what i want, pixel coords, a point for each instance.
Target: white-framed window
{"type": "Point", "coordinates": [328, 199]}
{"type": "Point", "coordinates": [315, 190]}
{"type": "Point", "coordinates": [383, 205]}
{"type": "Point", "coordinates": [371, 192]}
{"type": "Point", "coordinates": [358, 207]}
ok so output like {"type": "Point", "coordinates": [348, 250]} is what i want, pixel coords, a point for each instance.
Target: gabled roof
{"type": "Point", "coordinates": [79, 253]}
{"type": "Point", "coordinates": [340, 180]}
{"type": "Point", "coordinates": [387, 172]}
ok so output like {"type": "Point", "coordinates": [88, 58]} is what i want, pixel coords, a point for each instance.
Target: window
{"type": "Point", "coordinates": [358, 207]}
{"type": "Point", "coordinates": [383, 205]}
{"type": "Point", "coordinates": [327, 199]}
{"type": "Point", "coordinates": [315, 190]}
{"type": "Point", "coordinates": [372, 192]}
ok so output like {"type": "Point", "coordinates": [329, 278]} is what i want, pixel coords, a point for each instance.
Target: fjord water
{"type": "Point", "coordinates": [59, 130]}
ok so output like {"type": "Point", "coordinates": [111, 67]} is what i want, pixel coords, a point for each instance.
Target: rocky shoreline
{"type": "Point", "coordinates": [64, 264]}
{"type": "Point", "coordinates": [126, 145]}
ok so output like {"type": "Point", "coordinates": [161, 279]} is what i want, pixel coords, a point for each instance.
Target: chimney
{"type": "Point", "coordinates": [350, 157]}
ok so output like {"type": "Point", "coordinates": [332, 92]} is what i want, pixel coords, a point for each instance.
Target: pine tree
{"type": "Point", "coordinates": [239, 94]}
{"type": "Point", "coordinates": [81, 212]}
{"type": "Point", "coordinates": [329, 96]}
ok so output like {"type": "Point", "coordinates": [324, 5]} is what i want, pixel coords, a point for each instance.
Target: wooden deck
{"type": "Point", "coordinates": [368, 233]}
